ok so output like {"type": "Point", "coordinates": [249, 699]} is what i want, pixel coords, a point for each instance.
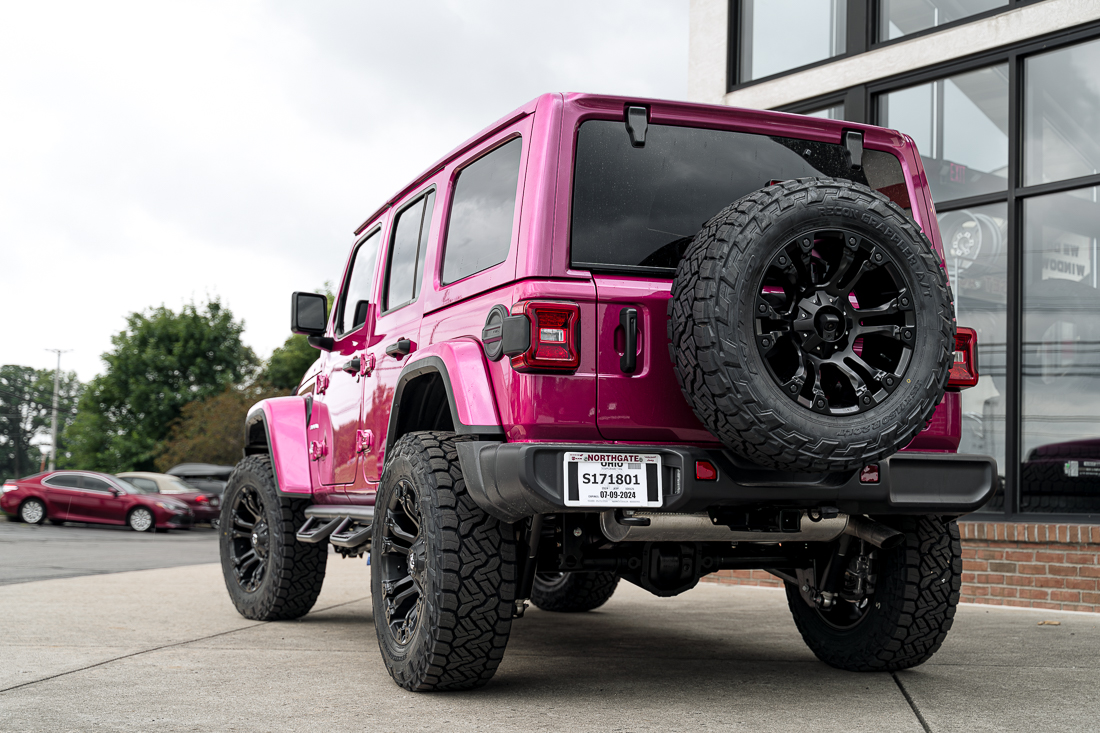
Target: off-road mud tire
{"type": "Point", "coordinates": [713, 344]}
{"type": "Point", "coordinates": [573, 592]}
{"type": "Point", "coordinates": [470, 575]}
{"type": "Point", "coordinates": [911, 611]}
{"type": "Point", "coordinates": [295, 570]}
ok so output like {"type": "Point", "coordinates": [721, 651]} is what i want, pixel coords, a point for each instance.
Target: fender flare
{"type": "Point", "coordinates": [465, 377]}
{"type": "Point", "coordinates": [277, 426]}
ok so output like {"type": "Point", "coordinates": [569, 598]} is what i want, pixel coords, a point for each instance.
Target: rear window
{"type": "Point", "coordinates": [637, 209]}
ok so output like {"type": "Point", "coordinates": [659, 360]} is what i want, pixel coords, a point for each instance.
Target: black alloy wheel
{"type": "Point", "coordinates": [269, 574]}
{"type": "Point", "coordinates": [250, 542]}
{"type": "Point", "coordinates": [835, 321]}
{"type": "Point", "coordinates": [402, 563]}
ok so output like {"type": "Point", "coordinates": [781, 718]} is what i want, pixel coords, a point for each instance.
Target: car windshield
{"type": "Point", "coordinates": [637, 209]}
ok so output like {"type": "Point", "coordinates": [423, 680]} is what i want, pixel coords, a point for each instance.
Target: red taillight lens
{"type": "Point", "coordinates": [554, 329]}
{"type": "Point", "coordinates": [201, 499]}
{"type": "Point", "coordinates": [964, 371]}
{"type": "Point", "coordinates": [869, 474]}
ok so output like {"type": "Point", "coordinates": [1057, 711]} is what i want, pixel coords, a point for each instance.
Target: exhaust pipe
{"type": "Point", "coordinates": [664, 527]}
{"type": "Point", "coordinates": [876, 533]}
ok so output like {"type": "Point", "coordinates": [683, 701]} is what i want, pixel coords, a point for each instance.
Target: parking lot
{"type": "Point", "coordinates": [109, 630]}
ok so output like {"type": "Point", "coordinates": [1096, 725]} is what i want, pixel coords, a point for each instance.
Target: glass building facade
{"type": "Point", "coordinates": [1010, 139]}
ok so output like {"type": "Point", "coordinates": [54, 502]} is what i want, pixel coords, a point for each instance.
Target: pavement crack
{"type": "Point", "coordinates": [162, 646]}
{"type": "Point", "coordinates": [912, 703]}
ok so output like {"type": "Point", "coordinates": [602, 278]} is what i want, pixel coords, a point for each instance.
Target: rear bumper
{"type": "Point", "coordinates": [512, 481]}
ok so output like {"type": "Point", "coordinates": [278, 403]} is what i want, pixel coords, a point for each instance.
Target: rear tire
{"type": "Point", "coordinates": [269, 574]}
{"type": "Point", "coordinates": [910, 612]}
{"type": "Point", "coordinates": [32, 511]}
{"type": "Point", "coordinates": [443, 571]}
{"type": "Point", "coordinates": [572, 592]}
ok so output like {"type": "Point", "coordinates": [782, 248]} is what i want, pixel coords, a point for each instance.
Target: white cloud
{"type": "Point", "coordinates": [156, 153]}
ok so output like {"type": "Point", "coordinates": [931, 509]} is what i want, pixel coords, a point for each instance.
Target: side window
{"type": "Point", "coordinates": [484, 204]}
{"type": "Point", "coordinates": [352, 313]}
{"type": "Point", "coordinates": [64, 480]}
{"type": "Point", "coordinates": [406, 260]}
{"type": "Point", "coordinates": [95, 484]}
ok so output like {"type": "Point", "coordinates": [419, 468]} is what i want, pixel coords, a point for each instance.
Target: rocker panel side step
{"type": "Point", "coordinates": [344, 526]}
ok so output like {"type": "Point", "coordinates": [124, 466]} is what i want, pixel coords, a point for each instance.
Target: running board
{"type": "Point", "coordinates": [344, 526]}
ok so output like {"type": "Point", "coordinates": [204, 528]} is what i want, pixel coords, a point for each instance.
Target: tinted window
{"type": "Point", "coordinates": [406, 260]}
{"type": "Point", "coordinates": [482, 211]}
{"type": "Point", "coordinates": [640, 207]}
{"type": "Point", "coordinates": [94, 484]}
{"type": "Point", "coordinates": [65, 480]}
{"type": "Point", "coordinates": [358, 285]}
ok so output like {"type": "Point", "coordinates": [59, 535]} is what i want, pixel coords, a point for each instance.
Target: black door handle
{"type": "Point", "coordinates": [352, 365]}
{"type": "Point", "coordinates": [401, 348]}
{"type": "Point", "coordinates": [628, 319]}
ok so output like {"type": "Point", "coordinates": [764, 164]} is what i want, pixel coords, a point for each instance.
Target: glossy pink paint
{"type": "Point", "coordinates": [285, 418]}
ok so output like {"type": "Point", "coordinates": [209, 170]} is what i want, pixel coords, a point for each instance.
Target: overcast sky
{"type": "Point", "coordinates": [157, 153]}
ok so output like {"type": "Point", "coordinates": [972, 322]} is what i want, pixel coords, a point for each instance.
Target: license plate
{"type": "Point", "coordinates": [613, 479]}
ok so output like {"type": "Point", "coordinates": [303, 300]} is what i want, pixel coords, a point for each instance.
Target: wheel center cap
{"type": "Point", "coordinates": [829, 324]}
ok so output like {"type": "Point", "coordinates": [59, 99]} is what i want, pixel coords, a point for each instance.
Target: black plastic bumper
{"type": "Point", "coordinates": [512, 481]}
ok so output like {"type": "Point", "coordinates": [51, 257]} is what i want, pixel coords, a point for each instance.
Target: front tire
{"type": "Point", "coordinates": [32, 511]}
{"type": "Point", "coordinates": [908, 615]}
{"type": "Point", "coordinates": [443, 571]}
{"type": "Point", "coordinates": [572, 592]}
{"type": "Point", "coordinates": [270, 576]}
{"type": "Point", "coordinates": [141, 519]}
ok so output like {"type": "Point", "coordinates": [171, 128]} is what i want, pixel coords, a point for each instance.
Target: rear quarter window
{"type": "Point", "coordinates": [482, 211]}
{"type": "Point", "coordinates": [639, 208]}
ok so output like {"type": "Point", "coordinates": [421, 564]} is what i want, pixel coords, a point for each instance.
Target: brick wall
{"type": "Point", "coordinates": [1052, 566]}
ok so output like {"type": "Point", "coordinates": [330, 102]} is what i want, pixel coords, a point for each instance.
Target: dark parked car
{"type": "Point", "coordinates": [86, 496]}
{"type": "Point", "coordinates": [206, 505]}
{"type": "Point", "coordinates": [203, 476]}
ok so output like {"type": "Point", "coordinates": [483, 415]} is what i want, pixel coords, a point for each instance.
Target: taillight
{"type": "Point", "coordinates": [201, 499]}
{"type": "Point", "coordinates": [964, 371]}
{"type": "Point", "coordinates": [8, 486]}
{"type": "Point", "coordinates": [555, 326]}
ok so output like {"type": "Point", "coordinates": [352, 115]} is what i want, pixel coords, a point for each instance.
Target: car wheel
{"type": "Point", "coordinates": [269, 574]}
{"type": "Point", "coordinates": [572, 592]}
{"type": "Point", "coordinates": [906, 617]}
{"type": "Point", "coordinates": [443, 571]}
{"type": "Point", "coordinates": [141, 519]}
{"type": "Point", "coordinates": [32, 511]}
{"type": "Point", "coordinates": [811, 326]}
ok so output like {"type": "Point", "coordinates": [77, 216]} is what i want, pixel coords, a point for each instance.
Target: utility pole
{"type": "Point", "coordinates": [53, 421]}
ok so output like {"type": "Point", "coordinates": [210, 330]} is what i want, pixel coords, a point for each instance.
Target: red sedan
{"type": "Point", "coordinates": [86, 496]}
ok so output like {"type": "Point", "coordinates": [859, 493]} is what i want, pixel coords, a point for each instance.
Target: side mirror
{"type": "Point", "coordinates": [309, 316]}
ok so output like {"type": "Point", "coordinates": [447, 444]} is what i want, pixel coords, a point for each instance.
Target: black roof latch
{"type": "Point", "coordinates": [637, 122]}
{"type": "Point", "coordinates": [853, 143]}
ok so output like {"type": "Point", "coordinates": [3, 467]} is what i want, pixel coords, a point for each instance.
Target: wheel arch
{"type": "Point", "coordinates": [445, 387]}
{"type": "Point", "coordinates": [277, 427]}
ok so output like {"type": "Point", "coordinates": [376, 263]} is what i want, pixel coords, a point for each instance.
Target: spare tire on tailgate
{"type": "Point", "coordinates": [811, 326]}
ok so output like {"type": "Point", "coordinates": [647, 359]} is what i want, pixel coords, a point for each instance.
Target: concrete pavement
{"type": "Point", "coordinates": [163, 649]}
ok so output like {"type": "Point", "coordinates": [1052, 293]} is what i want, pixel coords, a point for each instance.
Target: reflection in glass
{"type": "Point", "coordinates": [777, 35]}
{"type": "Point", "coordinates": [407, 253]}
{"type": "Point", "coordinates": [1062, 114]}
{"type": "Point", "coordinates": [899, 18]}
{"type": "Point", "coordinates": [358, 284]}
{"type": "Point", "coordinates": [1061, 354]}
{"type": "Point", "coordinates": [976, 252]}
{"type": "Point", "coordinates": [836, 112]}
{"type": "Point", "coordinates": [960, 125]}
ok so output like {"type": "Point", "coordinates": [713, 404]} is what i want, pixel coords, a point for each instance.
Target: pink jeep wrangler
{"type": "Point", "coordinates": [615, 338]}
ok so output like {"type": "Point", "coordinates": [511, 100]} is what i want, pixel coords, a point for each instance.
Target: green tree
{"type": "Point", "coordinates": [160, 362]}
{"type": "Point", "coordinates": [26, 401]}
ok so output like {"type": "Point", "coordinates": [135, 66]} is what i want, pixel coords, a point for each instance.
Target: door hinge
{"type": "Point", "coordinates": [318, 449]}
{"type": "Point", "coordinates": [364, 441]}
{"type": "Point", "coordinates": [366, 365]}
{"type": "Point", "coordinates": [322, 383]}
